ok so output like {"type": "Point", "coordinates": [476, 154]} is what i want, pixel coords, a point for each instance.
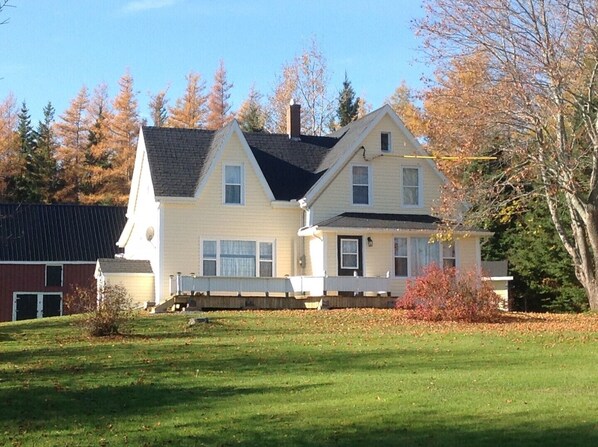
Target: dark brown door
{"type": "Point", "coordinates": [350, 259]}
{"type": "Point", "coordinates": [26, 306]}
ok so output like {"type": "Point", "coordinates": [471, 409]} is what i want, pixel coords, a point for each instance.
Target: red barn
{"type": "Point", "coordinates": [47, 250]}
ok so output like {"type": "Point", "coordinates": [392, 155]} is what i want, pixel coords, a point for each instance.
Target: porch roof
{"type": "Point", "coordinates": [380, 221]}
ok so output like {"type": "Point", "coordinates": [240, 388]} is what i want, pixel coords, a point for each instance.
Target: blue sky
{"type": "Point", "coordinates": [50, 48]}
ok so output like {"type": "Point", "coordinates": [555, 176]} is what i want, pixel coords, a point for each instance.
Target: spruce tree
{"type": "Point", "coordinates": [348, 104]}
{"type": "Point", "coordinates": [47, 169]}
{"type": "Point", "coordinates": [218, 105]}
{"type": "Point", "coordinates": [251, 115]}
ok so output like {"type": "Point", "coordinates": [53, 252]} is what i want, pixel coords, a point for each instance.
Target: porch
{"type": "Point", "coordinates": [295, 286]}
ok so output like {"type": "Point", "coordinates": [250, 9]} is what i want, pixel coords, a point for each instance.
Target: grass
{"type": "Point", "coordinates": [329, 378]}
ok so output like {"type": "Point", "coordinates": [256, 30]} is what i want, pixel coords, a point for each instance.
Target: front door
{"type": "Point", "coordinates": [350, 259]}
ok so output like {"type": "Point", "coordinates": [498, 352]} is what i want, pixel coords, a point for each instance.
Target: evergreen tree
{"type": "Point", "coordinates": [251, 115]}
{"type": "Point", "coordinates": [189, 111]}
{"type": "Point", "coordinates": [158, 108]}
{"type": "Point", "coordinates": [24, 186]}
{"type": "Point", "coordinates": [348, 104]}
{"type": "Point", "coordinates": [47, 168]}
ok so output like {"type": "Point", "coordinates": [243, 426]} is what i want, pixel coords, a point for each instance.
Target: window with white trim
{"type": "Point", "coordinates": [411, 186]}
{"type": "Point", "coordinates": [237, 258]}
{"type": "Point", "coordinates": [401, 257]}
{"type": "Point", "coordinates": [449, 256]}
{"type": "Point", "coordinates": [361, 185]}
{"type": "Point", "coordinates": [209, 258]}
{"type": "Point", "coordinates": [349, 254]}
{"type": "Point", "coordinates": [233, 184]}
{"type": "Point", "coordinates": [413, 254]}
{"type": "Point", "coordinates": [385, 142]}
{"type": "Point", "coordinates": [266, 260]}
{"type": "Point", "coordinates": [53, 275]}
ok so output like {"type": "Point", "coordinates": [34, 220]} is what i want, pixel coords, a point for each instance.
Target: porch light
{"type": "Point", "coordinates": [370, 242]}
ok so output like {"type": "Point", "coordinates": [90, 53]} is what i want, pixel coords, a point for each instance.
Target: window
{"type": "Point", "coordinates": [266, 260]}
{"type": "Point", "coordinates": [385, 141]}
{"type": "Point", "coordinates": [349, 254]}
{"type": "Point", "coordinates": [361, 185]}
{"type": "Point", "coordinates": [411, 189]}
{"type": "Point", "coordinates": [449, 259]}
{"type": "Point", "coordinates": [423, 253]}
{"type": "Point", "coordinates": [412, 255]}
{"type": "Point", "coordinates": [237, 258]}
{"type": "Point", "coordinates": [233, 182]}
{"type": "Point", "coordinates": [401, 258]}
{"type": "Point", "coordinates": [53, 276]}
{"type": "Point", "coordinates": [209, 258]}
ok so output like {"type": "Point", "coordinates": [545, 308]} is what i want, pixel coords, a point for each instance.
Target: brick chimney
{"type": "Point", "coordinates": [294, 121]}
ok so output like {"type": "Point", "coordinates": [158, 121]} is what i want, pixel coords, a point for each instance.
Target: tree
{"type": "Point", "coordinates": [305, 80]}
{"type": "Point", "coordinates": [190, 110]}
{"type": "Point", "coordinates": [251, 115]}
{"type": "Point", "coordinates": [23, 186]}
{"type": "Point", "coordinates": [218, 105]}
{"type": "Point", "coordinates": [8, 142]}
{"type": "Point", "coordinates": [402, 102]}
{"type": "Point", "coordinates": [71, 131]}
{"type": "Point", "coordinates": [47, 169]}
{"type": "Point", "coordinates": [278, 102]}
{"type": "Point", "coordinates": [124, 132]}
{"type": "Point", "coordinates": [348, 104]}
{"type": "Point", "coordinates": [99, 152]}
{"type": "Point", "coordinates": [542, 58]}
{"type": "Point", "coordinates": [158, 108]}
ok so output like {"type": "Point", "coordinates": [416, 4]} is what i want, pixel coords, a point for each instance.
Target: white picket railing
{"type": "Point", "coordinates": [291, 285]}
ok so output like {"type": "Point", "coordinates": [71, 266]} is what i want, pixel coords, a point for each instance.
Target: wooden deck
{"type": "Point", "coordinates": [203, 302]}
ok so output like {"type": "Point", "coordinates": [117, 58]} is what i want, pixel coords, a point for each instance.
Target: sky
{"type": "Point", "coordinates": [51, 48]}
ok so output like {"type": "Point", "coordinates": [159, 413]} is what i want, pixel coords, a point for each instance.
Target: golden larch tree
{"type": "Point", "coordinates": [218, 100]}
{"type": "Point", "coordinates": [189, 110]}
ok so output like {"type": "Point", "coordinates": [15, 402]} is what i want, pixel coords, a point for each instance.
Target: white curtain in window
{"type": "Point", "coordinates": [423, 253]}
{"type": "Point", "coordinates": [237, 258]}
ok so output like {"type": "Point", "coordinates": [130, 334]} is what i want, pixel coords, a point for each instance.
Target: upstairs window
{"type": "Point", "coordinates": [53, 275]}
{"type": "Point", "coordinates": [361, 185]}
{"type": "Point", "coordinates": [385, 142]}
{"type": "Point", "coordinates": [233, 185]}
{"type": "Point", "coordinates": [411, 187]}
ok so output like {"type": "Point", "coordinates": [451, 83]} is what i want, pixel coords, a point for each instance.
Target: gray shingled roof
{"type": "Point", "coordinates": [120, 265]}
{"type": "Point", "coordinates": [180, 158]}
{"type": "Point", "coordinates": [59, 233]}
{"type": "Point", "coordinates": [382, 221]}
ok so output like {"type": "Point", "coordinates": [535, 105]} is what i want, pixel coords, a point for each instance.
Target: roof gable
{"type": "Point", "coordinates": [59, 233]}
{"type": "Point", "coordinates": [351, 138]}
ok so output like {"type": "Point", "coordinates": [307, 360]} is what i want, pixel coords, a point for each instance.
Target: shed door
{"type": "Point", "coordinates": [26, 306]}
{"type": "Point", "coordinates": [52, 305]}
{"type": "Point", "coordinates": [350, 259]}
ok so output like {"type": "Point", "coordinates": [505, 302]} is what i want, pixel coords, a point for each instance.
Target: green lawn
{"type": "Point", "coordinates": [325, 378]}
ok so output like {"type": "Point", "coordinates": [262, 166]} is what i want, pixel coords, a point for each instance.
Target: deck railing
{"type": "Point", "coordinates": [290, 285]}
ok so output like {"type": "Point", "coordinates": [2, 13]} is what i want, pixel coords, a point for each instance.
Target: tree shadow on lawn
{"type": "Point", "coordinates": [43, 405]}
{"type": "Point", "coordinates": [421, 428]}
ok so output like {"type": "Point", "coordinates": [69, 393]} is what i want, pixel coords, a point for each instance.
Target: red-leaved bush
{"type": "Point", "coordinates": [447, 294]}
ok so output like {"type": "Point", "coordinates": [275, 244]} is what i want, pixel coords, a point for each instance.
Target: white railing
{"type": "Point", "coordinates": [291, 285]}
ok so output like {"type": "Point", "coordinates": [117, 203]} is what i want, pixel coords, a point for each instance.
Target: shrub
{"type": "Point", "coordinates": [80, 299]}
{"type": "Point", "coordinates": [446, 294]}
{"type": "Point", "coordinates": [108, 316]}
